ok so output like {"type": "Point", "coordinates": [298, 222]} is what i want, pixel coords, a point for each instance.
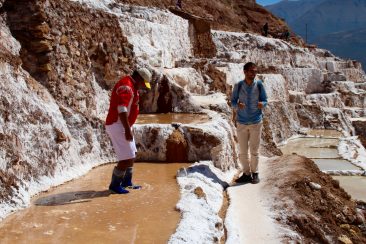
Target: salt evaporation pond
{"type": "Point", "coordinates": [324, 133]}
{"type": "Point", "coordinates": [83, 210]}
{"type": "Point", "coordinates": [354, 185]}
{"type": "Point", "coordinates": [312, 147]}
{"type": "Point", "coordinates": [334, 164]}
{"type": "Point", "coordinates": [169, 118]}
{"type": "Point", "coordinates": [322, 149]}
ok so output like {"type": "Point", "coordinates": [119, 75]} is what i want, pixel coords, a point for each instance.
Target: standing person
{"type": "Point", "coordinates": [265, 29]}
{"type": "Point", "coordinates": [122, 114]}
{"type": "Point", "coordinates": [286, 34]}
{"type": "Point", "coordinates": [248, 99]}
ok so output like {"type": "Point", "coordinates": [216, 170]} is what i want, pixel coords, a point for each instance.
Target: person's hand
{"type": "Point", "coordinates": [260, 105]}
{"type": "Point", "coordinates": [241, 105]}
{"type": "Point", "coordinates": [128, 135]}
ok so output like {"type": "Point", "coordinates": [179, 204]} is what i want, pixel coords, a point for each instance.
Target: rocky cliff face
{"type": "Point", "coordinates": [59, 62]}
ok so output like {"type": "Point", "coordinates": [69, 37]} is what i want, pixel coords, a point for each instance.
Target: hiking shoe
{"type": "Point", "coordinates": [118, 189]}
{"type": "Point", "coordinates": [244, 179]}
{"type": "Point", "coordinates": [255, 179]}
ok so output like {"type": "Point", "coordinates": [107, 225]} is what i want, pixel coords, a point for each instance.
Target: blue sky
{"type": "Point", "coordinates": [266, 2]}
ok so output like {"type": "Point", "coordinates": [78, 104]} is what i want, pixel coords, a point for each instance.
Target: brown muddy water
{"type": "Point", "coordinates": [83, 211]}
{"type": "Point", "coordinates": [168, 118]}
{"type": "Point", "coordinates": [322, 149]}
{"type": "Point", "coordinates": [325, 133]}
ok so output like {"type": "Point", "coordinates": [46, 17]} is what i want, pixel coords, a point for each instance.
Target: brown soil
{"type": "Point", "coordinates": [176, 147]}
{"type": "Point", "coordinates": [325, 215]}
{"type": "Point", "coordinates": [360, 129]}
{"type": "Point", "coordinates": [222, 214]}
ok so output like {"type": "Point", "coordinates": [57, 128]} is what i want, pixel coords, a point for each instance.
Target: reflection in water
{"type": "Point", "coordinates": [169, 118]}
{"type": "Point", "coordinates": [70, 197]}
{"type": "Point", "coordinates": [82, 211]}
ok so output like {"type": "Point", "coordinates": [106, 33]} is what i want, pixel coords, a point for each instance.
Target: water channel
{"type": "Point", "coordinates": [169, 118]}
{"type": "Point", "coordinates": [83, 211]}
{"type": "Point", "coordinates": [321, 146]}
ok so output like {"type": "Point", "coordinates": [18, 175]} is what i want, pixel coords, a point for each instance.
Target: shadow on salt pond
{"type": "Point", "coordinates": [70, 198]}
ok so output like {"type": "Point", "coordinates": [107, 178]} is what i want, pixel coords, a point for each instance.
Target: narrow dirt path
{"type": "Point", "coordinates": [83, 211]}
{"type": "Point", "coordinates": [249, 213]}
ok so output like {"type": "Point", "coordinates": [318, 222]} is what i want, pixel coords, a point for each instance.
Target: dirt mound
{"type": "Point", "coordinates": [313, 204]}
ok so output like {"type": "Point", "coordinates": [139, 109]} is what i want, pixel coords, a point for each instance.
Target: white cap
{"type": "Point", "coordinates": [146, 75]}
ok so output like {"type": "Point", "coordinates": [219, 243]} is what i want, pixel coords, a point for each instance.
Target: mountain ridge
{"type": "Point", "coordinates": [315, 22]}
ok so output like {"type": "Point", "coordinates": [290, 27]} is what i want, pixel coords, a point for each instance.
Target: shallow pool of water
{"type": "Point", "coordinates": [83, 211]}
{"type": "Point", "coordinates": [354, 185]}
{"type": "Point", "coordinates": [335, 164]}
{"type": "Point", "coordinates": [168, 118]}
{"type": "Point", "coordinates": [312, 147]}
{"type": "Point", "coordinates": [323, 151]}
{"type": "Point", "coordinates": [324, 133]}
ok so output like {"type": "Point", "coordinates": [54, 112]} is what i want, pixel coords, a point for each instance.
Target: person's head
{"type": "Point", "coordinates": [142, 77]}
{"type": "Point", "coordinates": [250, 71]}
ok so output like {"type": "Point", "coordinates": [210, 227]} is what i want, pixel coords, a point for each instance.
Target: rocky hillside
{"type": "Point", "coordinates": [332, 16]}
{"type": "Point", "coordinates": [60, 58]}
{"type": "Point", "coordinates": [336, 25]}
{"type": "Point", "coordinates": [291, 10]}
{"type": "Point", "coordinates": [346, 44]}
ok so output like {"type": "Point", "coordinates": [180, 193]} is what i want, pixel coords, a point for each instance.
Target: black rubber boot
{"type": "Point", "coordinates": [117, 177]}
{"type": "Point", "coordinates": [127, 180]}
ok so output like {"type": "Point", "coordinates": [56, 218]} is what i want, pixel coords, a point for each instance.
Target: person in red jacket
{"type": "Point", "coordinates": [122, 114]}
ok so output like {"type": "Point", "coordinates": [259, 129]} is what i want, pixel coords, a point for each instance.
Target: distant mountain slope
{"type": "Point", "coordinates": [337, 25]}
{"type": "Point", "coordinates": [331, 16]}
{"type": "Point", "coordinates": [291, 10]}
{"type": "Point", "coordinates": [346, 44]}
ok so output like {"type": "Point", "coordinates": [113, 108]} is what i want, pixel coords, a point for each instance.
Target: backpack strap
{"type": "Point", "coordinates": [259, 87]}
{"type": "Point", "coordinates": [240, 84]}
